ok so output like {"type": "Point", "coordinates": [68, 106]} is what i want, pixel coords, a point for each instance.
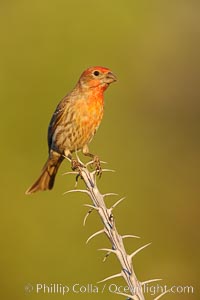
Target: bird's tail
{"type": "Point", "coordinates": [47, 177]}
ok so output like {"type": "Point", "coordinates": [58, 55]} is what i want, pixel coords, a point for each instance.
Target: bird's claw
{"type": "Point", "coordinates": [97, 165]}
{"type": "Point", "coordinates": [75, 164]}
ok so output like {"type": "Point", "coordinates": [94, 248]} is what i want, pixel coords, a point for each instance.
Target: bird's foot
{"type": "Point", "coordinates": [75, 164]}
{"type": "Point", "coordinates": [97, 165]}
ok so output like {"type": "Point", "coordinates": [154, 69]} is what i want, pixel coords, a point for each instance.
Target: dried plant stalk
{"type": "Point", "coordinates": [106, 215]}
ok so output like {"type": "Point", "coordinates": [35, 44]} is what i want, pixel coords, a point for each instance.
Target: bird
{"type": "Point", "coordinates": [74, 123]}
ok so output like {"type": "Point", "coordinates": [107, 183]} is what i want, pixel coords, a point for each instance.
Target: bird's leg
{"type": "Point", "coordinates": [96, 160]}
{"type": "Point", "coordinates": [74, 164]}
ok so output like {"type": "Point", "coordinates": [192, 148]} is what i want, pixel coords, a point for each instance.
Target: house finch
{"type": "Point", "coordinates": [74, 123]}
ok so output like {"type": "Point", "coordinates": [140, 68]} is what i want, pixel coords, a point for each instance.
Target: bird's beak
{"type": "Point", "coordinates": [110, 77]}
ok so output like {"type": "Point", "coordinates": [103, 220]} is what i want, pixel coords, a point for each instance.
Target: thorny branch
{"type": "Point", "coordinates": [106, 215]}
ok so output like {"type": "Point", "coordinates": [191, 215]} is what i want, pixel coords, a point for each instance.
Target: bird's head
{"type": "Point", "coordinates": [97, 77]}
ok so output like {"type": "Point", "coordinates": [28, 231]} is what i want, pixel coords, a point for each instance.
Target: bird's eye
{"type": "Point", "coordinates": [96, 73]}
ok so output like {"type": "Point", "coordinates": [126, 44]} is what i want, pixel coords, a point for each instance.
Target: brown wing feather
{"type": "Point", "coordinates": [58, 115]}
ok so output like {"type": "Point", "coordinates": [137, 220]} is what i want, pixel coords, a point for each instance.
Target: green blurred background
{"type": "Point", "coordinates": [149, 135]}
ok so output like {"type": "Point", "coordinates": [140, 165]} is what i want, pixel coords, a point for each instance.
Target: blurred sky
{"type": "Point", "coordinates": [149, 135]}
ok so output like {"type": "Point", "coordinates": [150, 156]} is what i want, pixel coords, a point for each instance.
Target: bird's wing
{"type": "Point", "coordinates": [58, 115]}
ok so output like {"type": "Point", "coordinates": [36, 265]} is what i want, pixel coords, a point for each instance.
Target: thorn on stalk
{"type": "Point", "coordinates": [87, 215]}
{"type": "Point", "coordinates": [133, 297]}
{"type": "Point", "coordinates": [108, 250]}
{"type": "Point", "coordinates": [106, 256]}
{"type": "Point", "coordinates": [89, 163]}
{"type": "Point", "coordinates": [130, 236]}
{"type": "Point", "coordinates": [116, 203]}
{"type": "Point", "coordinates": [108, 170]}
{"type": "Point", "coordinates": [92, 206]}
{"type": "Point", "coordinates": [71, 172]}
{"type": "Point", "coordinates": [81, 191]}
{"type": "Point", "coordinates": [78, 159]}
{"type": "Point", "coordinates": [165, 292]}
{"type": "Point", "coordinates": [110, 277]}
{"type": "Point", "coordinates": [103, 162]}
{"type": "Point", "coordinates": [95, 234]}
{"type": "Point", "coordinates": [150, 280]}
{"type": "Point", "coordinates": [138, 250]}
{"type": "Point", "coordinates": [69, 159]}
{"type": "Point", "coordinates": [76, 180]}
{"type": "Point", "coordinates": [109, 194]}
